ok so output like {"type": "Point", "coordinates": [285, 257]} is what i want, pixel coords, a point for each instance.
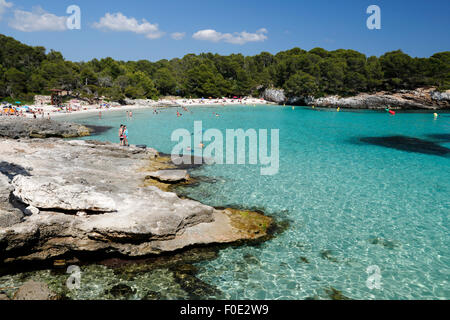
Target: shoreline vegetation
{"type": "Point", "coordinates": [340, 78]}
{"type": "Point", "coordinates": [56, 209]}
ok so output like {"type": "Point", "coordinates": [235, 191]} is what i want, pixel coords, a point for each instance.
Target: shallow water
{"type": "Point", "coordinates": [350, 204]}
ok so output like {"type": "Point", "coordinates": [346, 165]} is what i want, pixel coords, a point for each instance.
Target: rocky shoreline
{"type": "Point", "coordinates": [16, 127]}
{"type": "Point", "coordinates": [60, 199]}
{"type": "Point", "coordinates": [419, 99]}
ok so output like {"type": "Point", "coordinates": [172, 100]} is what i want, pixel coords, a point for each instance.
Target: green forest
{"type": "Point", "coordinates": [26, 71]}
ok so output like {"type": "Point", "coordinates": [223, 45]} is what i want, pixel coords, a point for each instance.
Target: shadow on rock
{"type": "Point", "coordinates": [11, 170]}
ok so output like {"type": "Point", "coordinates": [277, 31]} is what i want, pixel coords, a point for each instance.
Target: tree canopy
{"type": "Point", "coordinates": [26, 71]}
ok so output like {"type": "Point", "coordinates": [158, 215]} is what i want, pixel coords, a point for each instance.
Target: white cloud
{"type": "Point", "coordinates": [37, 20]}
{"type": "Point", "coordinates": [4, 6]}
{"type": "Point", "coordinates": [178, 35]}
{"type": "Point", "coordinates": [235, 38]}
{"type": "Point", "coordinates": [119, 22]}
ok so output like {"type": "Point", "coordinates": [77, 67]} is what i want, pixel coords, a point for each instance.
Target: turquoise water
{"type": "Point", "coordinates": [350, 205]}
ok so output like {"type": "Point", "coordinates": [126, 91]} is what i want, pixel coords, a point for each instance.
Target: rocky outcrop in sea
{"type": "Point", "coordinates": [419, 99]}
{"type": "Point", "coordinates": [15, 128]}
{"type": "Point", "coordinates": [62, 198]}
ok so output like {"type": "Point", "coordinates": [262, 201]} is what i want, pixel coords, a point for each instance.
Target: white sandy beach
{"type": "Point", "coordinates": [46, 110]}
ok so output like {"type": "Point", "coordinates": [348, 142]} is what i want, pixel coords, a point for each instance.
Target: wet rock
{"type": "Point", "coordinates": [152, 295]}
{"type": "Point", "coordinates": [169, 176]}
{"type": "Point", "coordinates": [33, 290]}
{"type": "Point", "coordinates": [251, 259]}
{"type": "Point", "coordinates": [195, 288]}
{"type": "Point", "coordinates": [186, 268]}
{"type": "Point", "coordinates": [121, 291]}
{"type": "Point", "coordinates": [335, 294]}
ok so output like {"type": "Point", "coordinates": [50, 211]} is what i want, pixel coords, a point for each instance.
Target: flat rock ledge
{"type": "Point", "coordinates": [61, 198]}
{"type": "Point", "coordinates": [169, 176]}
{"type": "Point", "coordinates": [16, 128]}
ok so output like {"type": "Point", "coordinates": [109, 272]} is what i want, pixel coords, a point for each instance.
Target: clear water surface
{"type": "Point", "coordinates": [350, 205]}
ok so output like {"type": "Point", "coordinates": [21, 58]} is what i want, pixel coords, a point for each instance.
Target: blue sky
{"type": "Point", "coordinates": [419, 28]}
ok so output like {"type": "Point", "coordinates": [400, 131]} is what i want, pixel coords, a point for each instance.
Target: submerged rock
{"type": "Point", "coordinates": [388, 244]}
{"type": "Point", "coordinates": [33, 290]}
{"type": "Point", "coordinates": [195, 288]}
{"type": "Point", "coordinates": [328, 255]}
{"type": "Point", "coordinates": [122, 291]}
{"type": "Point", "coordinates": [335, 294]}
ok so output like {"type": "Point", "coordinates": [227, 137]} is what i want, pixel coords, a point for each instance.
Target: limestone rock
{"type": "Point", "coordinates": [92, 197]}
{"type": "Point", "coordinates": [40, 128]}
{"type": "Point", "coordinates": [5, 189]}
{"type": "Point", "coordinates": [57, 193]}
{"type": "Point", "coordinates": [30, 210]}
{"type": "Point", "coordinates": [170, 176]}
{"type": "Point", "coordinates": [10, 217]}
{"type": "Point", "coordinates": [274, 95]}
{"type": "Point", "coordinates": [421, 98]}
